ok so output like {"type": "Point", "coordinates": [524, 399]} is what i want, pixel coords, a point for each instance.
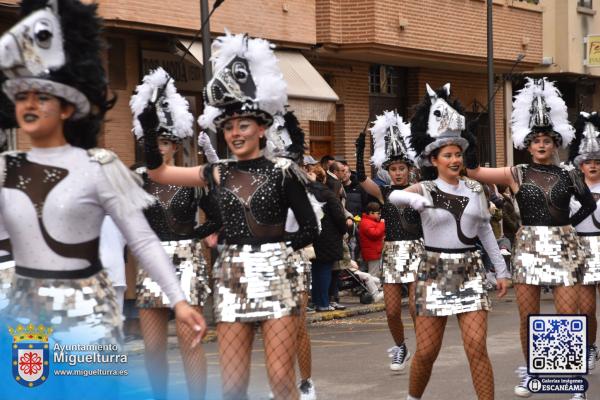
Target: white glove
{"type": "Point", "coordinates": [209, 151]}
{"type": "Point", "coordinates": [404, 198]}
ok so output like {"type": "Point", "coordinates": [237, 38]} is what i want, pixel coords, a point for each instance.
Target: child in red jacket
{"type": "Point", "coordinates": [370, 235]}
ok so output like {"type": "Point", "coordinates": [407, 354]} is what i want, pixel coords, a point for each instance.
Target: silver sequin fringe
{"type": "Point", "coordinates": [191, 270]}
{"type": "Point", "coordinates": [591, 270]}
{"type": "Point", "coordinates": [547, 255]}
{"type": "Point", "coordinates": [303, 266]}
{"type": "Point", "coordinates": [450, 283]}
{"type": "Point", "coordinates": [400, 260]}
{"type": "Point", "coordinates": [80, 311]}
{"type": "Point", "coordinates": [7, 271]}
{"type": "Point", "coordinates": [255, 283]}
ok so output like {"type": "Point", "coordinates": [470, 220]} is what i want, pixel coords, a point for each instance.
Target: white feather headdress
{"type": "Point", "coordinates": [391, 136]}
{"type": "Point", "coordinates": [556, 112]}
{"type": "Point", "coordinates": [175, 119]}
{"type": "Point", "coordinates": [261, 91]}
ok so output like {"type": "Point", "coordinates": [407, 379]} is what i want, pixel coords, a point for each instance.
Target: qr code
{"type": "Point", "coordinates": [557, 344]}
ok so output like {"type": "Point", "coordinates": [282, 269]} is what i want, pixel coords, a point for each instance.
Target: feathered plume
{"type": "Point", "coordinates": [522, 124]}
{"type": "Point", "coordinates": [586, 145]}
{"type": "Point", "coordinates": [271, 88]}
{"type": "Point", "coordinates": [172, 108]}
{"type": "Point", "coordinates": [391, 135]}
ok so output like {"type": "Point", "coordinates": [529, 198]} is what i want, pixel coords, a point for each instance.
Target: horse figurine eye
{"type": "Point", "coordinates": [42, 33]}
{"type": "Point", "coordinates": [239, 72]}
{"type": "Point", "coordinates": [437, 113]}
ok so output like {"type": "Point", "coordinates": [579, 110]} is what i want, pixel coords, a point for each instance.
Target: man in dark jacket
{"type": "Point", "coordinates": [328, 246]}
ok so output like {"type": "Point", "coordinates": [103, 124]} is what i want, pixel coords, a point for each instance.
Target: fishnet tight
{"type": "Point", "coordinates": [392, 296]}
{"type": "Point", "coordinates": [303, 347]}
{"type": "Point", "coordinates": [528, 300]}
{"type": "Point", "coordinates": [235, 347]}
{"type": "Point", "coordinates": [587, 305]}
{"type": "Point", "coordinates": [430, 332]}
{"type": "Point", "coordinates": [154, 323]}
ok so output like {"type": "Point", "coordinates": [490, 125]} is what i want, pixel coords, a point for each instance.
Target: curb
{"type": "Point", "coordinates": [137, 347]}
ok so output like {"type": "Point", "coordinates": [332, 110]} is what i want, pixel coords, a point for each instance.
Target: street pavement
{"type": "Point", "coordinates": [350, 361]}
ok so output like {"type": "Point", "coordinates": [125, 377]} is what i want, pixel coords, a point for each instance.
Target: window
{"type": "Point", "coordinates": [531, 1]}
{"type": "Point", "coordinates": [383, 79]}
{"type": "Point", "coordinates": [584, 3]}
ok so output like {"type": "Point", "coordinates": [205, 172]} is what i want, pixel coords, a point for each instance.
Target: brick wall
{"type": "Point", "coordinates": [452, 27]}
{"type": "Point", "coordinates": [280, 20]}
{"type": "Point", "coordinates": [117, 128]}
{"type": "Point", "coordinates": [350, 80]}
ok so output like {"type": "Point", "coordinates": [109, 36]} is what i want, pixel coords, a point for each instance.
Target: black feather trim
{"type": "Point", "coordinates": [292, 125]}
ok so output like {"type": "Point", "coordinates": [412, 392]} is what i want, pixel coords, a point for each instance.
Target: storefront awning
{"type": "Point", "coordinates": [309, 95]}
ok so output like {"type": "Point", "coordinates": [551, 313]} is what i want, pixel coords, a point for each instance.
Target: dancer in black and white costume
{"type": "Point", "coordinates": [546, 250]}
{"type": "Point", "coordinates": [54, 197]}
{"type": "Point", "coordinates": [255, 278]}
{"type": "Point", "coordinates": [585, 155]}
{"type": "Point", "coordinates": [173, 218]}
{"type": "Point", "coordinates": [454, 214]}
{"type": "Point", "coordinates": [403, 243]}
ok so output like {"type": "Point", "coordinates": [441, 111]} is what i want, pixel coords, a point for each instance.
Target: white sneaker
{"type": "Point", "coordinates": [307, 390]}
{"type": "Point", "coordinates": [378, 297]}
{"type": "Point", "coordinates": [592, 357]}
{"type": "Point", "coordinates": [521, 389]}
{"type": "Point", "coordinates": [579, 396]}
{"type": "Point", "coordinates": [399, 355]}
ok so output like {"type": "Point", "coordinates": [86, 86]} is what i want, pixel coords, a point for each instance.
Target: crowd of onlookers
{"type": "Point", "coordinates": [353, 232]}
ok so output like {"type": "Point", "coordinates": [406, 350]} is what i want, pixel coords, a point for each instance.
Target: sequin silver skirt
{"type": "Point", "coordinates": [83, 311]}
{"type": "Point", "coordinates": [547, 255]}
{"type": "Point", "coordinates": [255, 283]}
{"type": "Point", "coordinates": [450, 283]}
{"type": "Point", "coordinates": [303, 266]}
{"type": "Point", "coordinates": [591, 270]}
{"type": "Point", "coordinates": [191, 270]}
{"type": "Point", "coordinates": [400, 260]}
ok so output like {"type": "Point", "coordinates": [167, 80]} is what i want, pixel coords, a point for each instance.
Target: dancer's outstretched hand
{"type": "Point", "coordinates": [192, 318]}
{"type": "Point", "coordinates": [502, 286]}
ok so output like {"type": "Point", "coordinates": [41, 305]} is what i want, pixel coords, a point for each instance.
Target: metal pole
{"type": "Point", "coordinates": [490, 71]}
{"type": "Point", "coordinates": [207, 66]}
{"type": "Point", "coordinates": [205, 42]}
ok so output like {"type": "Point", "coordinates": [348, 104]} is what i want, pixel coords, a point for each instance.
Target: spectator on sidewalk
{"type": "Point", "coordinates": [371, 232]}
{"type": "Point", "coordinates": [328, 246]}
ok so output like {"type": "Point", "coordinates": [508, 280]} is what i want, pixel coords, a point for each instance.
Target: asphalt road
{"type": "Point", "coordinates": [350, 361]}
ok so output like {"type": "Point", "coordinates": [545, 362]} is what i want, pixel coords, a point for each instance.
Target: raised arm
{"type": "Point", "coordinates": [366, 183]}
{"type": "Point", "coordinates": [497, 176]}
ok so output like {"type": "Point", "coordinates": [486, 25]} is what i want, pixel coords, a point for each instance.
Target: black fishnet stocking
{"type": "Point", "coordinates": [303, 347]}
{"type": "Point", "coordinates": [392, 296]}
{"type": "Point", "coordinates": [528, 300]}
{"type": "Point", "coordinates": [153, 322]}
{"type": "Point", "coordinates": [566, 299]}
{"type": "Point", "coordinates": [280, 353]}
{"type": "Point", "coordinates": [587, 306]}
{"type": "Point", "coordinates": [194, 361]}
{"type": "Point", "coordinates": [429, 332]}
{"type": "Point", "coordinates": [473, 326]}
{"type": "Point", "coordinates": [235, 347]}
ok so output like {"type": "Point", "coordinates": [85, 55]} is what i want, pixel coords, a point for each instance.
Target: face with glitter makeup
{"type": "Point", "coordinates": [242, 136]}
{"type": "Point", "coordinates": [167, 150]}
{"type": "Point", "coordinates": [449, 162]}
{"type": "Point", "coordinates": [591, 170]}
{"type": "Point", "coordinates": [398, 172]}
{"type": "Point", "coordinates": [541, 149]}
{"type": "Point", "coordinates": [41, 116]}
